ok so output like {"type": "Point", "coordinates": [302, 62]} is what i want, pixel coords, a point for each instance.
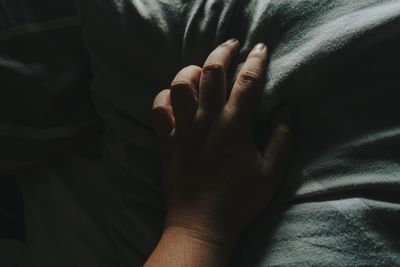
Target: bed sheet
{"type": "Point", "coordinates": [45, 112]}
{"type": "Point", "coordinates": [334, 63]}
{"type": "Point", "coordinates": [100, 202]}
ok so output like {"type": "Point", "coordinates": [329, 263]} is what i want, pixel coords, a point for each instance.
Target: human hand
{"type": "Point", "coordinates": [216, 181]}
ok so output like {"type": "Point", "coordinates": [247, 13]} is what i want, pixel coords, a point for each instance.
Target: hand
{"type": "Point", "coordinates": [216, 180]}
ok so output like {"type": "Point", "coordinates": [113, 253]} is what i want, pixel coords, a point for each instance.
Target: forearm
{"type": "Point", "coordinates": [177, 248]}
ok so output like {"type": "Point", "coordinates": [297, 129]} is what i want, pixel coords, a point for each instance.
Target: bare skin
{"type": "Point", "coordinates": [216, 181]}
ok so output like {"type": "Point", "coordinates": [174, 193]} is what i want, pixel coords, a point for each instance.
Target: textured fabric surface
{"type": "Point", "coordinates": [45, 109]}
{"type": "Point", "coordinates": [44, 96]}
{"type": "Point", "coordinates": [334, 63]}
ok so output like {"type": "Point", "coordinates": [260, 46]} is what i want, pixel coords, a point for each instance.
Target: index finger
{"type": "Point", "coordinates": [246, 89]}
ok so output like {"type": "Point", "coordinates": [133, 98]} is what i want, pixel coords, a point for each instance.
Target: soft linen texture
{"type": "Point", "coordinates": [333, 63]}
{"type": "Point", "coordinates": [45, 112]}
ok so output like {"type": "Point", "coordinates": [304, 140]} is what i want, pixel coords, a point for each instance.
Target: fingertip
{"type": "Point", "coordinates": [233, 41]}
{"type": "Point", "coordinates": [282, 116]}
{"type": "Point", "coordinates": [284, 137]}
{"type": "Point", "coordinates": [260, 48]}
{"type": "Point", "coordinates": [162, 113]}
{"type": "Point", "coordinates": [163, 98]}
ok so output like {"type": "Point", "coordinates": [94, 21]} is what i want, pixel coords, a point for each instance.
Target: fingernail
{"type": "Point", "coordinates": [232, 41]}
{"type": "Point", "coordinates": [260, 47]}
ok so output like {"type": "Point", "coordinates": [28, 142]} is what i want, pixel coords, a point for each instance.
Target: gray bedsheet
{"type": "Point", "coordinates": [334, 63]}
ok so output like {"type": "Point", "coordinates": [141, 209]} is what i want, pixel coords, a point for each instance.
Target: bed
{"type": "Point", "coordinates": [86, 158]}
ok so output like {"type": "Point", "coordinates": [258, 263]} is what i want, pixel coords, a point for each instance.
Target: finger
{"type": "Point", "coordinates": [184, 96]}
{"type": "Point", "coordinates": [278, 152]}
{"type": "Point", "coordinates": [247, 88]}
{"type": "Point", "coordinates": [163, 116]}
{"type": "Point", "coordinates": [212, 88]}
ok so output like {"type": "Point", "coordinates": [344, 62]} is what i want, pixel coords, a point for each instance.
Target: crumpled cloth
{"type": "Point", "coordinates": [333, 63]}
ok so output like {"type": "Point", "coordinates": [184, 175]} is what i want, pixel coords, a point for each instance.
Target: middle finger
{"type": "Point", "coordinates": [212, 89]}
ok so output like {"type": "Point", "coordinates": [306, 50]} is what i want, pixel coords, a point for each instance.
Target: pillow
{"type": "Point", "coordinates": [332, 62]}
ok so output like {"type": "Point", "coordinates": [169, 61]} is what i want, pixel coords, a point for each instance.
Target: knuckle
{"type": "Point", "coordinates": [233, 117]}
{"type": "Point", "coordinates": [230, 129]}
{"type": "Point", "coordinates": [230, 112]}
{"type": "Point", "coordinates": [212, 69]}
{"type": "Point", "coordinates": [285, 130]}
{"type": "Point", "coordinates": [157, 109]}
{"type": "Point", "coordinates": [239, 119]}
{"type": "Point", "coordinates": [177, 84]}
{"type": "Point", "coordinates": [269, 157]}
{"type": "Point", "coordinates": [249, 78]}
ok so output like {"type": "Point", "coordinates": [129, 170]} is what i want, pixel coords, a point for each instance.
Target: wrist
{"type": "Point", "coordinates": [213, 241]}
{"type": "Point", "coordinates": [209, 249]}
{"type": "Point", "coordinates": [207, 229]}
{"type": "Point", "coordinates": [179, 247]}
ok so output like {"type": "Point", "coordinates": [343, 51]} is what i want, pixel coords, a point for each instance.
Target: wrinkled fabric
{"type": "Point", "coordinates": [94, 197]}
{"type": "Point", "coordinates": [49, 137]}
{"type": "Point", "coordinates": [333, 63]}
{"type": "Point", "coordinates": [44, 96]}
